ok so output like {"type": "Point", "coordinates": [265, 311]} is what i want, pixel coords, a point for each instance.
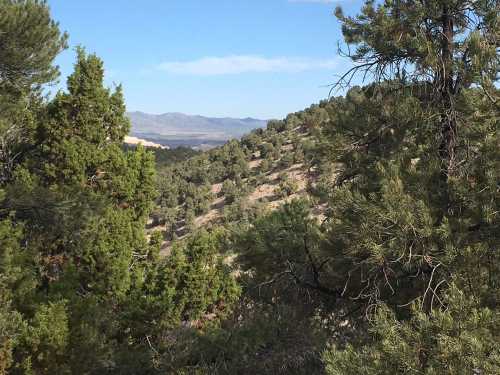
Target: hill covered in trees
{"type": "Point", "coordinates": [358, 236]}
{"type": "Point", "coordinates": [240, 179]}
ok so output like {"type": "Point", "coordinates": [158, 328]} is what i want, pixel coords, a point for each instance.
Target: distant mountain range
{"type": "Point", "coordinates": [179, 129]}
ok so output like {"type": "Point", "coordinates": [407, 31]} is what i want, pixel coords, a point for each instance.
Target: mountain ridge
{"type": "Point", "coordinates": [169, 126]}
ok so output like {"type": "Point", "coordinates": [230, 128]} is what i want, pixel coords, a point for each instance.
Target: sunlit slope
{"type": "Point", "coordinates": [241, 179]}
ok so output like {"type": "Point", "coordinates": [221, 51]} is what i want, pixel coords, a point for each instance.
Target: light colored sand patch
{"type": "Point", "coordinates": [254, 163]}
{"type": "Point", "coordinates": [262, 191]}
{"type": "Point", "coordinates": [295, 167]}
{"type": "Point", "coordinates": [300, 177]}
{"type": "Point", "coordinates": [166, 248]}
{"type": "Point", "coordinates": [280, 202]}
{"type": "Point", "coordinates": [158, 228]}
{"type": "Point", "coordinates": [273, 176]}
{"type": "Point", "coordinates": [216, 188]}
{"type": "Point", "coordinates": [294, 172]}
{"type": "Point", "coordinates": [218, 203]}
{"type": "Point", "coordinates": [135, 141]}
{"type": "Point", "coordinates": [287, 147]}
{"type": "Point", "coordinates": [207, 218]}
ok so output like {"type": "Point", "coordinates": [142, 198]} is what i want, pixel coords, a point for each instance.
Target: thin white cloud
{"type": "Point", "coordinates": [239, 64]}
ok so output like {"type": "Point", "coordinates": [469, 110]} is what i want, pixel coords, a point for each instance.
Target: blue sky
{"type": "Point", "coordinates": [256, 58]}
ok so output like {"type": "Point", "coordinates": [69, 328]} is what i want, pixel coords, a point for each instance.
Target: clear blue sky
{"type": "Point", "coordinates": [257, 58]}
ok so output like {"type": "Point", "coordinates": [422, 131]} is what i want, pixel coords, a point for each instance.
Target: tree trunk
{"type": "Point", "coordinates": [448, 120]}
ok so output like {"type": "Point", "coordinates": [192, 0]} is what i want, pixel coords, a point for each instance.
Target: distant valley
{"type": "Point", "coordinates": [199, 132]}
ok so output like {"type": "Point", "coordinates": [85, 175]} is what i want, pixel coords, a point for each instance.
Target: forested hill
{"type": "Point", "coordinates": [241, 179]}
{"type": "Point", "coordinates": [358, 236]}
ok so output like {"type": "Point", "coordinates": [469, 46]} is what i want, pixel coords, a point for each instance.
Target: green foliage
{"type": "Point", "coordinates": [286, 186]}
{"type": "Point", "coordinates": [266, 165]}
{"type": "Point", "coordinates": [281, 251]}
{"type": "Point", "coordinates": [276, 126]}
{"type": "Point", "coordinates": [241, 211]}
{"type": "Point", "coordinates": [261, 339]}
{"type": "Point", "coordinates": [81, 286]}
{"type": "Point", "coordinates": [402, 203]}
{"type": "Point", "coordinates": [230, 191]}
{"type": "Point", "coordinates": [266, 149]}
{"type": "Point", "coordinates": [10, 330]}
{"type": "Point", "coordinates": [459, 339]}
{"type": "Point", "coordinates": [251, 141]}
{"type": "Point", "coordinates": [84, 121]}
{"type": "Point", "coordinates": [165, 157]}
{"type": "Point", "coordinates": [292, 121]}
{"type": "Point", "coordinates": [314, 117]}
{"type": "Point", "coordinates": [30, 41]}
{"type": "Point", "coordinates": [189, 220]}
{"type": "Point", "coordinates": [190, 285]}
{"type": "Point", "coordinates": [459, 42]}
{"type": "Point", "coordinates": [45, 342]}
{"type": "Point", "coordinates": [397, 271]}
{"type": "Point", "coordinates": [286, 160]}
{"type": "Point", "coordinates": [207, 286]}
{"type": "Point", "coordinates": [11, 274]}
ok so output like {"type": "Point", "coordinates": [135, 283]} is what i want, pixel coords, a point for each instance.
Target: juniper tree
{"type": "Point", "coordinates": [230, 190]}
{"type": "Point", "coordinates": [74, 258]}
{"type": "Point", "coordinates": [286, 186]}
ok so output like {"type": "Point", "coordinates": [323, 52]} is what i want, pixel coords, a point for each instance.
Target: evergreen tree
{"type": "Point", "coordinates": [447, 45]}
{"type": "Point", "coordinates": [413, 221]}
{"type": "Point", "coordinates": [461, 339]}
{"type": "Point", "coordinates": [230, 191]}
{"type": "Point", "coordinates": [286, 186]}
{"type": "Point", "coordinates": [29, 40]}
{"type": "Point", "coordinates": [74, 258]}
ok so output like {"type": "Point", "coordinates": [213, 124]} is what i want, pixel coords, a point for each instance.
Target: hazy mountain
{"type": "Point", "coordinates": [176, 129]}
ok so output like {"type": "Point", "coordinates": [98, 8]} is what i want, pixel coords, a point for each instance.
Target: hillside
{"type": "Point", "coordinates": [178, 129]}
{"type": "Point", "coordinates": [225, 185]}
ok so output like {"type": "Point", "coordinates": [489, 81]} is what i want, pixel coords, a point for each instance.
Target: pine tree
{"type": "Point", "coordinates": [30, 41]}
{"type": "Point", "coordinates": [448, 46]}
{"type": "Point", "coordinates": [413, 224]}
